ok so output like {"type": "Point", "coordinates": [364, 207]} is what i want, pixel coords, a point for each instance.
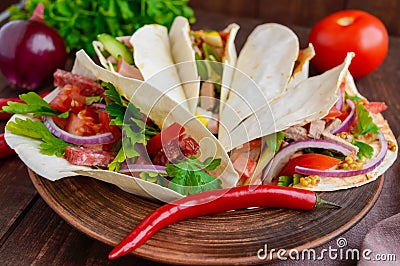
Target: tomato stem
{"type": "Point", "coordinates": [345, 21]}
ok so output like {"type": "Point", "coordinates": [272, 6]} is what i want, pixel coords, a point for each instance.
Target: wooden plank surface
{"type": "Point", "coordinates": [302, 12]}
{"type": "Point", "coordinates": [386, 10]}
{"type": "Point", "coordinates": [43, 238]}
{"type": "Point", "coordinates": [297, 12]}
{"type": "Point", "coordinates": [233, 8]}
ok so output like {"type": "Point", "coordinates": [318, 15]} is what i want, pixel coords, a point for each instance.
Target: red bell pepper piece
{"type": "Point", "coordinates": [164, 137]}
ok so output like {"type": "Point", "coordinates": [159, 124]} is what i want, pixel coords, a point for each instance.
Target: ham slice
{"type": "Point", "coordinates": [207, 96]}
{"type": "Point", "coordinates": [128, 70]}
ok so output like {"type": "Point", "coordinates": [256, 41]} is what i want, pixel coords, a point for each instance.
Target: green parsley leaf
{"type": "Point", "coordinates": [365, 124]}
{"type": "Point", "coordinates": [208, 164]}
{"type": "Point", "coordinates": [188, 176]}
{"type": "Point", "coordinates": [93, 99]}
{"type": "Point", "coordinates": [112, 94]}
{"type": "Point", "coordinates": [364, 149]}
{"type": "Point", "coordinates": [353, 98]}
{"type": "Point", "coordinates": [118, 160]}
{"type": "Point", "coordinates": [129, 117]}
{"type": "Point", "coordinates": [37, 130]}
{"type": "Point", "coordinates": [34, 104]}
{"type": "Point", "coordinates": [150, 176]}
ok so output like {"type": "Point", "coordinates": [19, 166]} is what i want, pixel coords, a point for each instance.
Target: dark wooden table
{"type": "Point", "coordinates": [32, 233]}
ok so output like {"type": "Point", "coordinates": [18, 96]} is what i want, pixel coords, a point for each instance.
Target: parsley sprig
{"type": "Point", "coordinates": [365, 123]}
{"type": "Point", "coordinates": [128, 116]}
{"type": "Point", "coordinates": [79, 22]}
{"type": "Point", "coordinates": [364, 149]}
{"type": "Point", "coordinates": [189, 176]}
{"type": "Point", "coordinates": [33, 104]}
{"type": "Point", "coordinates": [50, 145]}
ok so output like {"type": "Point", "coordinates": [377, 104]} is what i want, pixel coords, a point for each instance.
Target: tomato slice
{"type": "Point", "coordinates": [244, 166]}
{"type": "Point", "coordinates": [309, 160]}
{"type": "Point", "coordinates": [60, 122]}
{"type": "Point", "coordinates": [85, 123]}
{"type": "Point", "coordinates": [164, 137]}
{"type": "Point", "coordinates": [69, 98]}
{"type": "Point", "coordinates": [333, 113]}
{"type": "Point", "coordinates": [375, 107]}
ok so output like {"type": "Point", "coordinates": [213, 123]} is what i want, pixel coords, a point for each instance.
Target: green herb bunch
{"type": "Point", "coordinates": [80, 21]}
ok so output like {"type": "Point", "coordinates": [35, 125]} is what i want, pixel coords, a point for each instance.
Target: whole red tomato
{"type": "Point", "coordinates": [349, 30]}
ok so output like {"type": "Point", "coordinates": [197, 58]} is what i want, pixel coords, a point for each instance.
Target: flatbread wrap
{"type": "Point", "coordinates": [151, 109]}
{"type": "Point", "coordinates": [354, 126]}
{"type": "Point", "coordinates": [143, 56]}
{"type": "Point", "coordinates": [137, 135]}
{"type": "Point", "coordinates": [263, 70]}
{"type": "Point", "coordinates": [204, 60]}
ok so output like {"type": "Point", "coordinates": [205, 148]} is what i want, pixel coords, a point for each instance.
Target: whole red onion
{"type": "Point", "coordinates": [30, 51]}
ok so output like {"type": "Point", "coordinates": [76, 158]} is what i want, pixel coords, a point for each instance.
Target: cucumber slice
{"type": "Point", "coordinates": [116, 48]}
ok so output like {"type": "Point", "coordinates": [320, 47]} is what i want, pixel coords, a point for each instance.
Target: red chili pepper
{"type": "Point", "coordinates": [215, 201]}
{"type": "Point", "coordinates": [5, 150]}
{"type": "Point", "coordinates": [4, 102]}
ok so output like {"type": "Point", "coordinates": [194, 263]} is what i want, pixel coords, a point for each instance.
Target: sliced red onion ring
{"type": "Point", "coordinates": [340, 101]}
{"type": "Point", "coordinates": [349, 119]}
{"type": "Point", "coordinates": [74, 139]}
{"type": "Point", "coordinates": [101, 106]}
{"type": "Point", "coordinates": [143, 168]}
{"type": "Point", "coordinates": [283, 156]}
{"type": "Point", "coordinates": [368, 167]}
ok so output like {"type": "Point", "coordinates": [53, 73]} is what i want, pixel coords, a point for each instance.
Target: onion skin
{"type": "Point", "coordinates": [30, 52]}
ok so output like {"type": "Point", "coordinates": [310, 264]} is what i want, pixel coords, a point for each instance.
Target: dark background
{"type": "Point", "coordinates": [294, 12]}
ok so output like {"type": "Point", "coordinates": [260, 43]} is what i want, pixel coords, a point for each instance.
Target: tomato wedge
{"type": "Point", "coordinates": [333, 113]}
{"type": "Point", "coordinates": [375, 107]}
{"type": "Point", "coordinates": [244, 166]}
{"type": "Point", "coordinates": [309, 160]}
{"type": "Point", "coordinates": [165, 136]}
{"type": "Point", "coordinates": [69, 98]}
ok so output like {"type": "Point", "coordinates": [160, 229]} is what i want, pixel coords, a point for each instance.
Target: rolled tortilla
{"type": "Point", "coordinates": [301, 69]}
{"type": "Point", "coordinates": [184, 56]}
{"type": "Point", "coordinates": [309, 100]}
{"type": "Point", "coordinates": [152, 55]}
{"type": "Point", "coordinates": [159, 107]}
{"type": "Point", "coordinates": [263, 70]}
{"type": "Point", "coordinates": [338, 183]}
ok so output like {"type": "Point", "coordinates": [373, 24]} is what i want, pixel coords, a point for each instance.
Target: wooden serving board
{"type": "Point", "coordinates": [106, 213]}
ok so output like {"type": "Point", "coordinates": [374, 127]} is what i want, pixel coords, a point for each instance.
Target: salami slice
{"type": "Point", "coordinates": [88, 157]}
{"type": "Point", "coordinates": [87, 86]}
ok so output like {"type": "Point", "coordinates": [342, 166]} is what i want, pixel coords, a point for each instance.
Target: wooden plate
{"type": "Point", "coordinates": [107, 214]}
